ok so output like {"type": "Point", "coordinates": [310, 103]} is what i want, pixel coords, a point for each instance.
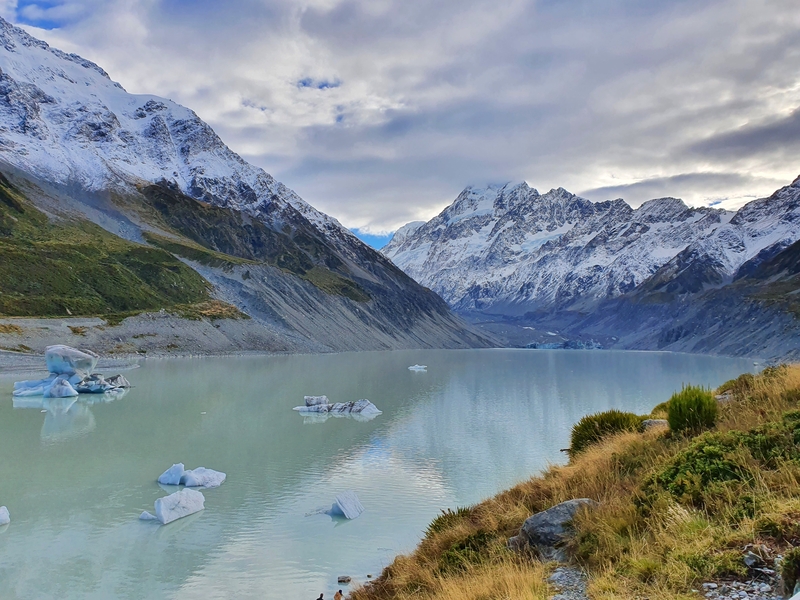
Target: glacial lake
{"type": "Point", "coordinates": [76, 476]}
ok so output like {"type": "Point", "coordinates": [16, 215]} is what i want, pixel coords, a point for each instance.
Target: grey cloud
{"type": "Point", "coordinates": [438, 94]}
{"type": "Point", "coordinates": [775, 136]}
{"type": "Point", "coordinates": [684, 184]}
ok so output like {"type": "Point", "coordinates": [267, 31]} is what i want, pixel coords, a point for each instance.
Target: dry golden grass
{"type": "Point", "coordinates": [10, 328]}
{"type": "Point", "coordinates": [634, 545]}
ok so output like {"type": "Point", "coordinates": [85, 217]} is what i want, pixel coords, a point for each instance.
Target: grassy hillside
{"type": "Point", "coordinates": [675, 510]}
{"type": "Point", "coordinates": [57, 268]}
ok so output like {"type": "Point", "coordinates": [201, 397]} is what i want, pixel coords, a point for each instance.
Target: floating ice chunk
{"type": "Point", "coordinates": [64, 360]}
{"type": "Point", "coordinates": [118, 381]}
{"type": "Point", "coordinates": [202, 477]}
{"type": "Point", "coordinates": [35, 387]}
{"type": "Point", "coordinates": [178, 505]}
{"type": "Point", "coordinates": [172, 476]}
{"type": "Point", "coordinates": [146, 516]}
{"type": "Point", "coordinates": [361, 407]}
{"type": "Point", "coordinates": [418, 368]}
{"type": "Point", "coordinates": [61, 388]}
{"type": "Point", "coordinates": [317, 408]}
{"type": "Point", "coordinates": [316, 400]}
{"type": "Point", "coordinates": [93, 384]}
{"type": "Point", "coordinates": [347, 505]}
{"type": "Point", "coordinates": [5, 518]}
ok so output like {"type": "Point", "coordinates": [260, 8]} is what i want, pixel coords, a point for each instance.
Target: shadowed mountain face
{"type": "Point", "coordinates": [659, 276]}
{"type": "Point", "coordinates": [76, 146]}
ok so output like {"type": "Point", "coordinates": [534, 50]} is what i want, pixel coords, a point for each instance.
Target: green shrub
{"type": "Point", "coordinates": [692, 409]}
{"type": "Point", "coordinates": [472, 550]}
{"type": "Point", "coordinates": [593, 428]}
{"type": "Point", "coordinates": [449, 518]}
{"type": "Point", "coordinates": [790, 570]}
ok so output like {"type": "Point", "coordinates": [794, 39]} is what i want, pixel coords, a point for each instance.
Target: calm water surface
{"type": "Point", "coordinates": [75, 477]}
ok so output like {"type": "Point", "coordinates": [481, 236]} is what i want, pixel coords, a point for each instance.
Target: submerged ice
{"type": "Point", "coordinates": [347, 505]}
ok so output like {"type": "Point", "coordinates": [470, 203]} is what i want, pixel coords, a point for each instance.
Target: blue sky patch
{"type": "Point", "coordinates": [376, 241]}
{"type": "Point", "coordinates": [323, 84]}
{"type": "Point", "coordinates": [24, 17]}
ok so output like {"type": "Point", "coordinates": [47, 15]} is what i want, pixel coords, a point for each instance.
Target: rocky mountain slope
{"type": "Point", "coordinates": [80, 149]}
{"type": "Point", "coordinates": [631, 277]}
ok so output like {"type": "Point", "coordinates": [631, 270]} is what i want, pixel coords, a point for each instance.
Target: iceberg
{"type": "Point", "coordinates": [347, 505]}
{"type": "Point", "coordinates": [60, 388]}
{"type": "Point", "coordinates": [178, 505]}
{"type": "Point", "coordinates": [199, 477]}
{"type": "Point", "coordinates": [359, 410]}
{"type": "Point", "coordinates": [316, 400]}
{"type": "Point", "coordinates": [202, 477]}
{"type": "Point", "coordinates": [172, 476]}
{"type": "Point", "coordinates": [418, 368]}
{"type": "Point", "coordinates": [5, 518]}
{"type": "Point", "coordinates": [36, 387]}
{"type": "Point", "coordinates": [64, 360]}
{"type": "Point", "coordinates": [146, 516]}
{"type": "Point", "coordinates": [70, 374]}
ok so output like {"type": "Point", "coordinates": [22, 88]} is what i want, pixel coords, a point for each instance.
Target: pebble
{"type": "Point", "coordinates": [570, 582]}
{"type": "Point", "coordinates": [738, 590]}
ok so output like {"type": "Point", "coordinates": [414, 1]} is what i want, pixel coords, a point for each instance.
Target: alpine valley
{"type": "Point", "coordinates": [556, 270]}
{"type": "Point", "coordinates": [127, 217]}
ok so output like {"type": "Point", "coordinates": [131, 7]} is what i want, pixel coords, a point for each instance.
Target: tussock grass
{"type": "Point", "coordinates": [676, 509]}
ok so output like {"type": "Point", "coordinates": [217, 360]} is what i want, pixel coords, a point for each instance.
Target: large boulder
{"type": "Point", "coordinates": [64, 360]}
{"type": "Point", "coordinates": [547, 531]}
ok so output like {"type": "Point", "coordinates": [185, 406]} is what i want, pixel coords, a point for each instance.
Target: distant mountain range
{"type": "Point", "coordinates": [76, 147]}
{"type": "Point", "coordinates": [554, 267]}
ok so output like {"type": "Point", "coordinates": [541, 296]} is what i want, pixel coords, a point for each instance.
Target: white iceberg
{"type": "Point", "coordinates": [347, 505]}
{"type": "Point", "coordinates": [172, 476]}
{"type": "Point", "coordinates": [316, 400]}
{"type": "Point", "coordinates": [178, 505]}
{"type": "Point", "coordinates": [60, 388]}
{"type": "Point", "coordinates": [5, 518]}
{"type": "Point", "coordinates": [202, 477]}
{"type": "Point", "coordinates": [177, 474]}
{"type": "Point", "coordinates": [64, 360]}
{"type": "Point", "coordinates": [146, 516]}
{"type": "Point", "coordinates": [418, 368]}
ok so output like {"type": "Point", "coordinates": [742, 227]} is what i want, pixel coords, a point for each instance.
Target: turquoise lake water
{"type": "Point", "coordinates": [76, 475]}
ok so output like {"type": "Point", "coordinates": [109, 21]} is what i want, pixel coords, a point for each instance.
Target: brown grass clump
{"type": "Point", "coordinates": [675, 510]}
{"type": "Point", "coordinates": [10, 328]}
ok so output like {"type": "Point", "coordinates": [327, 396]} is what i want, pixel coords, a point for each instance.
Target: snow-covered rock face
{"type": "Point", "coordinates": [64, 120]}
{"type": "Point", "coordinates": [511, 249]}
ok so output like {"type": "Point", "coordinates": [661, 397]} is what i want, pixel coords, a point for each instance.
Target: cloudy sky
{"type": "Point", "coordinates": [379, 112]}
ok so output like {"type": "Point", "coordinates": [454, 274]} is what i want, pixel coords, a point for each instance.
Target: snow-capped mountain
{"type": "Point", "coordinates": [510, 250]}
{"type": "Point", "coordinates": [64, 120]}
{"type": "Point", "coordinates": [151, 171]}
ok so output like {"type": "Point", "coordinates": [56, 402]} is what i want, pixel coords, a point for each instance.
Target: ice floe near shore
{"type": "Point", "coordinates": [5, 518]}
{"type": "Point", "coordinates": [177, 474]}
{"type": "Point", "coordinates": [176, 506]}
{"type": "Point", "coordinates": [71, 373]}
{"type": "Point", "coordinates": [418, 368]}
